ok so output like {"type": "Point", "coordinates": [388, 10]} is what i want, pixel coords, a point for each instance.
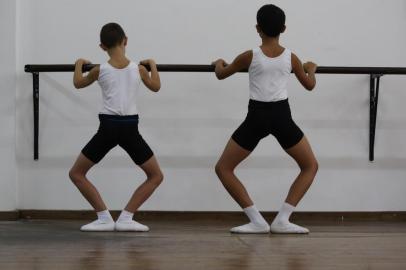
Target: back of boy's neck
{"type": "Point", "coordinates": [271, 42]}
{"type": "Point", "coordinates": [117, 57]}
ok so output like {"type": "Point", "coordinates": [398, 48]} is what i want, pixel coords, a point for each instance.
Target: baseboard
{"type": "Point", "coordinates": [394, 216]}
{"type": "Point", "coordinates": [9, 215]}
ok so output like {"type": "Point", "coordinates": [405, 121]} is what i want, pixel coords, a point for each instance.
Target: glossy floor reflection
{"type": "Point", "coordinates": [195, 245]}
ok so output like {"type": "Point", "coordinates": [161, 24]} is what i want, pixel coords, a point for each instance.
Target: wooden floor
{"type": "Point", "coordinates": [192, 245]}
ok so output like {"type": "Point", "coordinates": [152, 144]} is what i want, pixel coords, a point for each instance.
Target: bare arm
{"type": "Point", "coordinates": [81, 81]}
{"type": "Point", "coordinates": [151, 81]}
{"type": "Point", "coordinates": [304, 73]}
{"type": "Point", "coordinates": [223, 70]}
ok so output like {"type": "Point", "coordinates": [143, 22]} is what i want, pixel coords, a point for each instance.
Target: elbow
{"type": "Point", "coordinates": [220, 77]}
{"type": "Point", "coordinates": [156, 88]}
{"type": "Point", "coordinates": [77, 85]}
{"type": "Point", "coordinates": [310, 87]}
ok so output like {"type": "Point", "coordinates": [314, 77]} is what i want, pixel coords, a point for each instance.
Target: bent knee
{"type": "Point", "coordinates": [315, 166]}
{"type": "Point", "coordinates": [159, 178]}
{"type": "Point", "coordinates": [311, 167]}
{"type": "Point", "coordinates": [218, 169]}
{"type": "Point", "coordinates": [72, 174]}
{"type": "Point", "coordinates": [156, 178]}
{"type": "Point", "coordinates": [221, 170]}
{"type": "Point", "coordinates": [76, 177]}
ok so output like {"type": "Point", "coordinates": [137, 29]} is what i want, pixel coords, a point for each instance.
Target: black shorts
{"type": "Point", "coordinates": [266, 118]}
{"type": "Point", "coordinates": [118, 130]}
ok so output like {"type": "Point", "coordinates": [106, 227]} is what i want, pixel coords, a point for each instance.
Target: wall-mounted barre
{"type": "Point", "coordinates": [210, 68]}
{"type": "Point", "coordinates": [375, 74]}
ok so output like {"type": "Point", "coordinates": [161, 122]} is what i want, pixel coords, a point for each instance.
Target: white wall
{"type": "Point", "coordinates": [7, 106]}
{"type": "Point", "coordinates": [188, 123]}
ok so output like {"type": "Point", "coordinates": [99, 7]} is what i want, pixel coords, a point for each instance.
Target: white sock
{"type": "Point", "coordinates": [281, 222]}
{"type": "Point", "coordinates": [125, 216]}
{"type": "Point", "coordinates": [284, 213]}
{"type": "Point", "coordinates": [254, 215]}
{"type": "Point", "coordinates": [104, 216]}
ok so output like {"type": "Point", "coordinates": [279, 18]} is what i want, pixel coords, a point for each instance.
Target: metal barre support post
{"type": "Point", "coordinates": [35, 96]}
{"type": "Point", "coordinates": [373, 111]}
{"type": "Point", "coordinates": [375, 74]}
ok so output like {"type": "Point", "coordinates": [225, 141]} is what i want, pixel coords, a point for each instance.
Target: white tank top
{"type": "Point", "coordinates": [269, 76]}
{"type": "Point", "coordinates": [119, 89]}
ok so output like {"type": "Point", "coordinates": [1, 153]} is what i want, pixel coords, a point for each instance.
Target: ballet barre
{"type": "Point", "coordinates": [375, 74]}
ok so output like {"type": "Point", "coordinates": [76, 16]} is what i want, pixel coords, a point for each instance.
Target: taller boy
{"type": "Point", "coordinates": [120, 80]}
{"type": "Point", "coordinates": [269, 68]}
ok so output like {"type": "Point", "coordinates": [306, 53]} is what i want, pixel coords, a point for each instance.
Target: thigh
{"type": "Point", "coordinates": [251, 131]}
{"type": "Point", "coordinates": [82, 165]}
{"type": "Point", "coordinates": [135, 146]}
{"type": "Point", "coordinates": [302, 153]}
{"type": "Point", "coordinates": [287, 132]}
{"type": "Point", "coordinates": [101, 143]}
{"type": "Point", "coordinates": [151, 167]}
{"type": "Point", "coordinates": [233, 155]}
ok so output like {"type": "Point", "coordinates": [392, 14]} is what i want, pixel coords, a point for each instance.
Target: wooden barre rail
{"type": "Point", "coordinates": [375, 73]}
{"type": "Point", "coordinates": [210, 68]}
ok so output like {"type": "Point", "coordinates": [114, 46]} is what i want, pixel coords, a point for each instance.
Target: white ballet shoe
{"type": "Point", "coordinates": [287, 228]}
{"type": "Point", "coordinates": [130, 226]}
{"type": "Point", "coordinates": [98, 226]}
{"type": "Point", "coordinates": [251, 228]}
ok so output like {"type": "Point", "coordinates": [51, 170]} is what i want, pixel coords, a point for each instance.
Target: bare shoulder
{"type": "Point", "coordinates": [295, 60]}
{"type": "Point", "coordinates": [244, 59]}
{"type": "Point", "coordinates": [294, 56]}
{"type": "Point", "coordinates": [246, 56]}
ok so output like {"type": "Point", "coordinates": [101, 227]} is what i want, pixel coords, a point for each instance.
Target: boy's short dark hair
{"type": "Point", "coordinates": [111, 35]}
{"type": "Point", "coordinates": [271, 20]}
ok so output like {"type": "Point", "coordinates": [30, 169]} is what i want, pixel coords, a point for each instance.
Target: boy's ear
{"type": "Point", "coordinates": [103, 47]}
{"type": "Point", "coordinates": [283, 29]}
{"type": "Point", "coordinates": [125, 41]}
{"type": "Point", "coordinates": [259, 30]}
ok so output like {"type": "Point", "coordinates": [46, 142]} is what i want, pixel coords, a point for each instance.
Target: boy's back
{"type": "Point", "coordinates": [119, 87]}
{"type": "Point", "coordinates": [268, 76]}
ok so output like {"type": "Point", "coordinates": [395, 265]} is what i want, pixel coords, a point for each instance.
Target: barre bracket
{"type": "Point", "coordinates": [373, 111]}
